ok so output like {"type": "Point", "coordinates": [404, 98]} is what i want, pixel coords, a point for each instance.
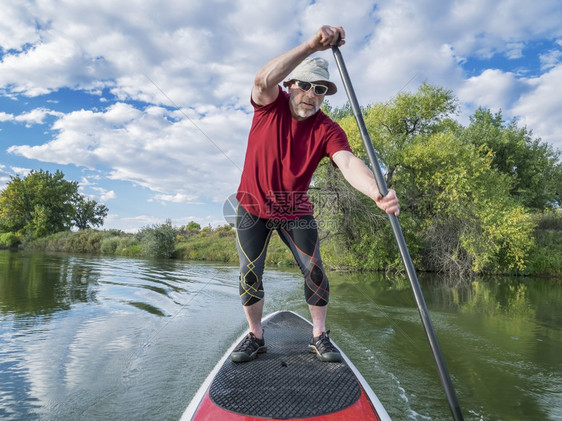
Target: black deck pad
{"type": "Point", "coordinates": [288, 381]}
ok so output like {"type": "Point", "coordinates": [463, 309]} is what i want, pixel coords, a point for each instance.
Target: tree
{"type": "Point", "coordinates": [158, 240]}
{"type": "Point", "coordinates": [88, 213]}
{"type": "Point", "coordinates": [37, 205]}
{"type": "Point", "coordinates": [193, 226]}
{"type": "Point", "coordinates": [458, 211]}
{"type": "Point", "coordinates": [532, 165]}
{"type": "Point", "coordinates": [465, 217]}
{"type": "Point", "coordinates": [354, 219]}
{"type": "Point", "coordinates": [396, 124]}
{"type": "Point", "coordinates": [189, 230]}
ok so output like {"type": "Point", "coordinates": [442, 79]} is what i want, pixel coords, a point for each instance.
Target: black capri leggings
{"type": "Point", "coordinates": [300, 235]}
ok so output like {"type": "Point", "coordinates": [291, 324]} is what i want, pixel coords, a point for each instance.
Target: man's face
{"type": "Point", "coordinates": [304, 104]}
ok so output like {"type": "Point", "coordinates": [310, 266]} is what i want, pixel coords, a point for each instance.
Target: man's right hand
{"type": "Point", "coordinates": [327, 36]}
{"type": "Point", "coordinates": [266, 89]}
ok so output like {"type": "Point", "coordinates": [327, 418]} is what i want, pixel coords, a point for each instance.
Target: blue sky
{"type": "Point", "coordinates": [149, 109]}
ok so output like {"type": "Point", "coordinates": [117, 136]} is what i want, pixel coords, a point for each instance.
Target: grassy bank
{"type": "Point", "coordinates": [219, 245]}
{"type": "Point", "coordinates": [546, 257]}
{"type": "Point", "coordinates": [213, 245]}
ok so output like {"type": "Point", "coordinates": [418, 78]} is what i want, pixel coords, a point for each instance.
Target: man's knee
{"type": "Point", "coordinates": [317, 275]}
{"type": "Point", "coordinates": [251, 288]}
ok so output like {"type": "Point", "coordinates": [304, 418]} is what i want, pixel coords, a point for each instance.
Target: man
{"type": "Point", "coordinates": [288, 138]}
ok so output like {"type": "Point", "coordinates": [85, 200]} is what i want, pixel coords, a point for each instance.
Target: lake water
{"type": "Point", "coordinates": [90, 338]}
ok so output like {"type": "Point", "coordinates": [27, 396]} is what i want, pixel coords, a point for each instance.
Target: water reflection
{"type": "Point", "coordinates": [39, 284]}
{"type": "Point", "coordinates": [36, 284]}
{"type": "Point", "coordinates": [78, 334]}
{"type": "Point", "coordinates": [501, 339]}
{"type": "Point", "coordinates": [113, 338]}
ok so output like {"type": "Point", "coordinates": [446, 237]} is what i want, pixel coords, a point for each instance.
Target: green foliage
{"type": "Point", "coordinates": [546, 255]}
{"type": "Point", "coordinates": [109, 245]}
{"type": "Point", "coordinates": [121, 244]}
{"type": "Point", "coordinates": [450, 188]}
{"type": "Point", "coordinates": [466, 193]}
{"type": "Point", "coordinates": [9, 240]}
{"type": "Point", "coordinates": [189, 230]}
{"type": "Point", "coordinates": [550, 220]}
{"type": "Point", "coordinates": [43, 203]}
{"type": "Point", "coordinates": [88, 213]}
{"type": "Point", "coordinates": [373, 251]}
{"type": "Point", "coordinates": [337, 114]}
{"type": "Point", "coordinates": [219, 245]}
{"type": "Point", "coordinates": [37, 205]}
{"type": "Point", "coordinates": [395, 125]}
{"type": "Point", "coordinates": [87, 241]}
{"type": "Point", "coordinates": [532, 166]}
{"type": "Point", "coordinates": [208, 246]}
{"type": "Point", "coordinates": [129, 246]}
{"type": "Point", "coordinates": [158, 240]}
{"type": "Point", "coordinates": [351, 227]}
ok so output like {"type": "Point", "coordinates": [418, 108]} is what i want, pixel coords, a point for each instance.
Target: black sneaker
{"type": "Point", "coordinates": [324, 349]}
{"type": "Point", "coordinates": [248, 349]}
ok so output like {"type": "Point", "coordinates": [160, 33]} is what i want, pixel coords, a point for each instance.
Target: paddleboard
{"type": "Point", "coordinates": [287, 382]}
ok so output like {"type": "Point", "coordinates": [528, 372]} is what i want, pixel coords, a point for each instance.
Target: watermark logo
{"type": "Point", "coordinates": [229, 208]}
{"type": "Point", "coordinates": [230, 211]}
{"type": "Point", "coordinates": [284, 203]}
{"type": "Point", "coordinates": [279, 209]}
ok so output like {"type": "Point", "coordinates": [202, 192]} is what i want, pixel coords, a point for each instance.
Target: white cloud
{"type": "Point", "coordinates": [36, 116]}
{"type": "Point", "coordinates": [176, 198]}
{"type": "Point", "coordinates": [104, 195]}
{"type": "Point", "coordinates": [482, 28]}
{"type": "Point", "coordinates": [550, 59]}
{"type": "Point", "coordinates": [5, 116]}
{"type": "Point", "coordinates": [17, 26]}
{"type": "Point", "coordinates": [177, 157]}
{"type": "Point", "coordinates": [514, 50]}
{"type": "Point", "coordinates": [4, 176]}
{"type": "Point", "coordinates": [201, 57]}
{"type": "Point", "coordinates": [539, 109]}
{"type": "Point", "coordinates": [46, 67]}
{"type": "Point", "coordinates": [22, 172]}
{"type": "Point", "coordinates": [492, 89]}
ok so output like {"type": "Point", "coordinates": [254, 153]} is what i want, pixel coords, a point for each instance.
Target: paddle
{"type": "Point", "coordinates": [399, 237]}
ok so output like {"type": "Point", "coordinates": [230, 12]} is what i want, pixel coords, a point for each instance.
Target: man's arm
{"type": "Point", "coordinates": [267, 79]}
{"type": "Point", "coordinates": [362, 179]}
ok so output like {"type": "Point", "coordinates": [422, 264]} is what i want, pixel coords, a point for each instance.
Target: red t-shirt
{"type": "Point", "coordinates": [281, 156]}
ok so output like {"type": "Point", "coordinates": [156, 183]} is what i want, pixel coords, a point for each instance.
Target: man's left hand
{"type": "Point", "coordinates": [389, 203]}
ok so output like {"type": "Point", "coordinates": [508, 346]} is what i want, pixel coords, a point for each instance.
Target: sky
{"type": "Point", "coordinates": [146, 103]}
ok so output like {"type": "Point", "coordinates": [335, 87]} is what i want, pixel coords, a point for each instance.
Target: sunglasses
{"type": "Point", "coordinates": [318, 89]}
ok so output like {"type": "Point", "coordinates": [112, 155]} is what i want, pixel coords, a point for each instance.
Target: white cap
{"type": "Point", "coordinates": [313, 69]}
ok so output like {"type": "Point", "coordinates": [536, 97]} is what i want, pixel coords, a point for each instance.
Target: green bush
{"type": "Point", "coordinates": [219, 245]}
{"type": "Point", "coordinates": [9, 239]}
{"type": "Point", "coordinates": [54, 242]}
{"type": "Point", "coordinates": [208, 246]}
{"type": "Point", "coordinates": [546, 257]}
{"type": "Point", "coordinates": [129, 245]}
{"type": "Point", "coordinates": [158, 240]}
{"type": "Point", "coordinates": [85, 241]}
{"type": "Point", "coordinates": [550, 220]}
{"type": "Point", "coordinates": [109, 245]}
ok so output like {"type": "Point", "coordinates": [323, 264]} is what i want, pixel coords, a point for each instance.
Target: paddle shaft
{"type": "Point", "coordinates": [399, 237]}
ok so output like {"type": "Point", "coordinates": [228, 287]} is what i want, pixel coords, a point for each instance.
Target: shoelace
{"type": "Point", "coordinates": [250, 343]}
{"type": "Point", "coordinates": [323, 344]}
